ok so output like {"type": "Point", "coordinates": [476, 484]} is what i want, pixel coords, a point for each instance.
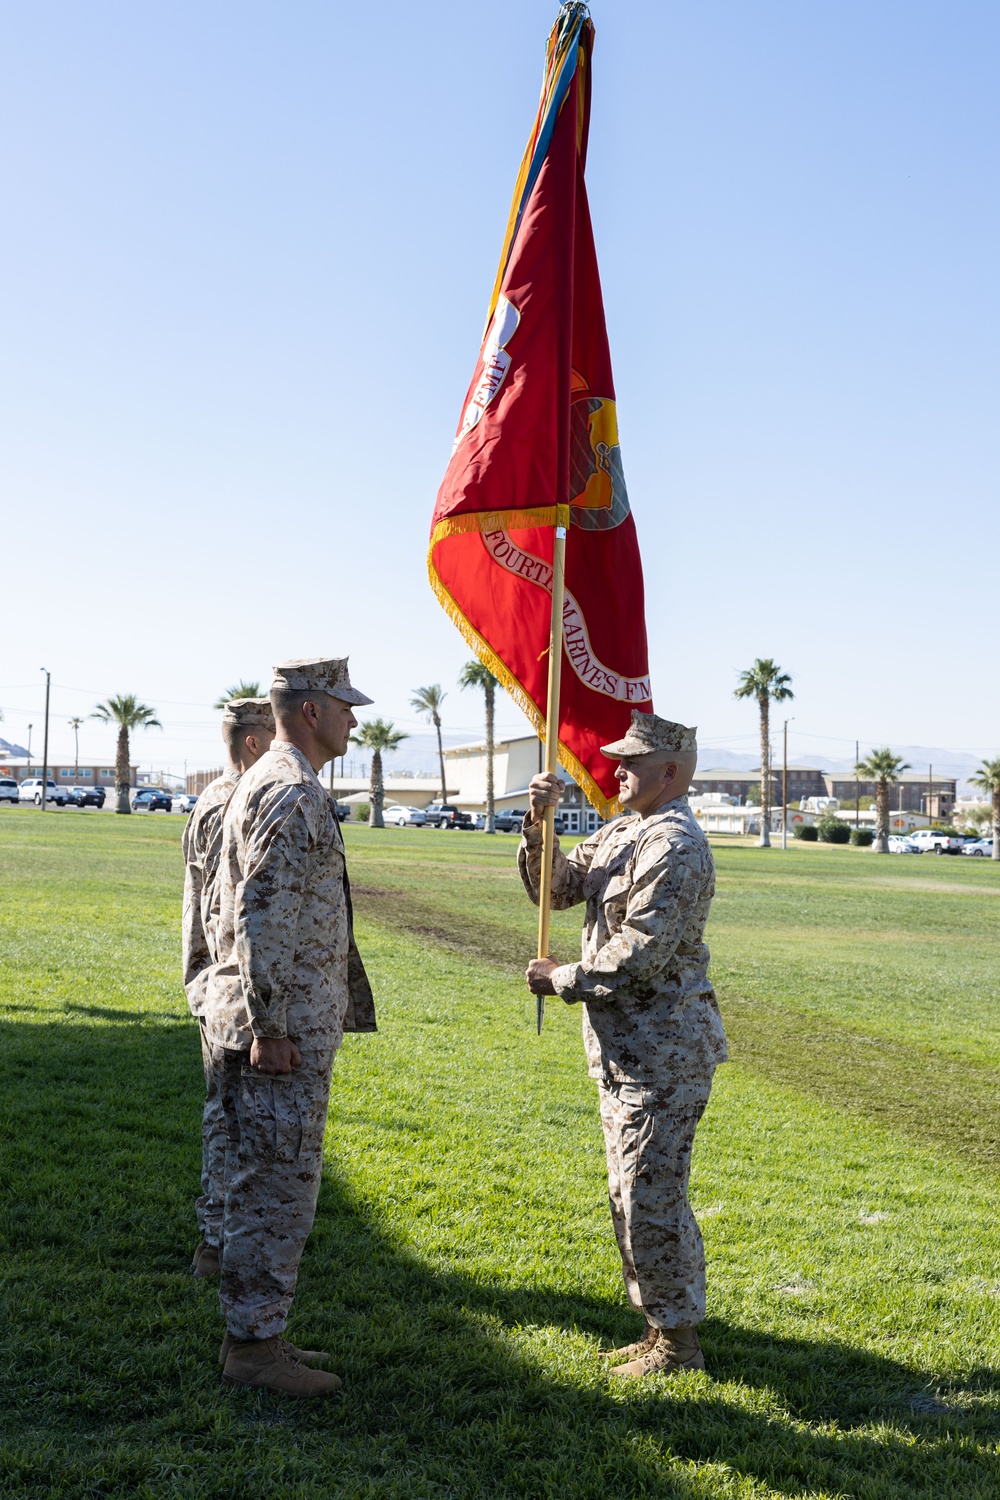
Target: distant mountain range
{"type": "Point", "coordinates": [15, 750]}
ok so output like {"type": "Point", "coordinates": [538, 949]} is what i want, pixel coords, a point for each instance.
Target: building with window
{"type": "Point", "coordinates": [515, 761]}
{"type": "Point", "coordinates": [22, 769]}
{"type": "Point", "coordinates": [803, 781]}
{"type": "Point", "coordinates": [725, 782]}
{"type": "Point", "coordinates": [915, 792]}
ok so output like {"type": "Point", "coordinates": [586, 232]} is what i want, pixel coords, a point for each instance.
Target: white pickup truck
{"type": "Point", "coordinates": [31, 791]}
{"type": "Point", "coordinates": [930, 841]}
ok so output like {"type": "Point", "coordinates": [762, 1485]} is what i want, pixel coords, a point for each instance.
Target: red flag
{"type": "Point", "coordinates": [537, 447]}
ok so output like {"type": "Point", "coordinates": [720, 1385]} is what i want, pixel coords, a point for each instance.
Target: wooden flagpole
{"type": "Point", "coordinates": [551, 749]}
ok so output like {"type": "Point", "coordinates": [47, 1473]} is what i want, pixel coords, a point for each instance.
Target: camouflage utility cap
{"type": "Point", "coordinates": [319, 674]}
{"type": "Point", "coordinates": [249, 713]}
{"type": "Point", "coordinates": [648, 734]}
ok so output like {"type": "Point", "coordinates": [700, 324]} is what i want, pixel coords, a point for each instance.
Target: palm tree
{"type": "Point", "coordinates": [377, 735]}
{"type": "Point", "coordinates": [427, 701]}
{"type": "Point", "coordinates": [987, 779]}
{"type": "Point", "coordinates": [76, 725]}
{"type": "Point", "coordinates": [765, 680]}
{"type": "Point", "coordinates": [240, 690]}
{"type": "Point", "coordinates": [128, 713]}
{"type": "Point", "coordinates": [474, 674]}
{"type": "Point", "coordinates": [884, 768]}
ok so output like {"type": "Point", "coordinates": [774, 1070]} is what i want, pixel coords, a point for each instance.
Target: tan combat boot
{"type": "Point", "coordinates": [632, 1351]}
{"type": "Point", "coordinates": [206, 1261]}
{"type": "Point", "coordinates": [675, 1349]}
{"type": "Point", "coordinates": [269, 1363]}
{"type": "Point", "coordinates": [307, 1356]}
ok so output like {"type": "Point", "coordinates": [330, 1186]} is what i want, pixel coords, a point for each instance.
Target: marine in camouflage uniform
{"type": "Point", "coordinates": [288, 971]}
{"type": "Point", "coordinates": [247, 729]}
{"type": "Point", "coordinates": [651, 1025]}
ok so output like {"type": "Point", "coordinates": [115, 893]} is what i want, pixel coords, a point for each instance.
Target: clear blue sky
{"type": "Point", "coordinates": [246, 258]}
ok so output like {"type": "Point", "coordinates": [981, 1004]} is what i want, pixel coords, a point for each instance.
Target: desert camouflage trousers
{"type": "Point", "coordinates": [214, 1143]}
{"type": "Point", "coordinates": [649, 1135]}
{"type": "Point", "coordinates": [275, 1125]}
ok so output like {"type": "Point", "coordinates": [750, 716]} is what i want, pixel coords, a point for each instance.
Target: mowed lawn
{"type": "Point", "coordinates": [462, 1268]}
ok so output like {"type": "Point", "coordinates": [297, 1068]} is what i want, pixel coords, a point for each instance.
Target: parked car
{"type": "Point", "coordinates": [152, 799]}
{"type": "Point", "coordinates": [184, 802]}
{"type": "Point", "coordinates": [982, 847]}
{"type": "Point", "coordinates": [930, 841]}
{"type": "Point", "coordinates": [403, 817]}
{"type": "Point", "coordinates": [85, 796]}
{"type": "Point", "coordinates": [342, 810]}
{"type": "Point", "coordinates": [31, 791]}
{"type": "Point", "coordinates": [898, 845]}
{"type": "Point", "coordinates": [444, 815]}
{"type": "Point", "coordinates": [510, 820]}
{"type": "Point", "coordinates": [8, 790]}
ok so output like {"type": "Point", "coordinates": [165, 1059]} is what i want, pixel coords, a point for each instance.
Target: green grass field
{"type": "Point", "coordinates": [462, 1267]}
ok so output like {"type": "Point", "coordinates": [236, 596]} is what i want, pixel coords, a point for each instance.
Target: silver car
{"type": "Point", "coordinates": [981, 847]}
{"type": "Point", "coordinates": [899, 845]}
{"type": "Point", "coordinates": [403, 817]}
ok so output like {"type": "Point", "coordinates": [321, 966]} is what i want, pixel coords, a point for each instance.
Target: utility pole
{"type": "Point", "coordinates": [930, 793]}
{"type": "Point", "coordinates": [857, 785]}
{"type": "Point", "coordinates": [784, 791]}
{"type": "Point", "coordinates": [45, 743]}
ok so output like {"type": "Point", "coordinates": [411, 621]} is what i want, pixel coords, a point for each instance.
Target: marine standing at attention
{"type": "Point", "coordinates": [288, 982]}
{"type": "Point", "coordinates": [651, 1024]}
{"type": "Point", "coordinates": [247, 730]}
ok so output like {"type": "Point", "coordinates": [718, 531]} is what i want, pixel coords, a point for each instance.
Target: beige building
{"type": "Point", "coordinates": [408, 791]}
{"type": "Point", "coordinates": [515, 761]}
{"type": "Point", "coordinates": [91, 774]}
{"type": "Point", "coordinates": [718, 812]}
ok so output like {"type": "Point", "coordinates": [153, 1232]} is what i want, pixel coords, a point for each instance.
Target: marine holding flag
{"type": "Point", "coordinates": [537, 453]}
{"type": "Point", "coordinates": [537, 446]}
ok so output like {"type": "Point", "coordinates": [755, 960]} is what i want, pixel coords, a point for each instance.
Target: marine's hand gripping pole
{"type": "Point", "coordinates": [551, 745]}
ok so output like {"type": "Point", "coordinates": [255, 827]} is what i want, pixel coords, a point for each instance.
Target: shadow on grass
{"type": "Point", "coordinates": [107, 1013]}
{"type": "Point", "coordinates": [454, 1385]}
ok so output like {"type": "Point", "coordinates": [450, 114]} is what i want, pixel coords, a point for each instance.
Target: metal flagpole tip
{"type": "Point", "coordinates": [539, 1012]}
